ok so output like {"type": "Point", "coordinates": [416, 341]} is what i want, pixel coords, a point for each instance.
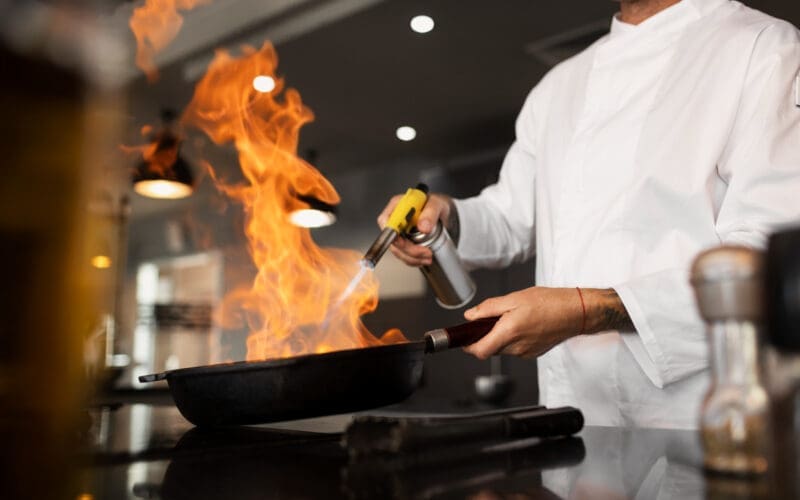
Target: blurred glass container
{"type": "Point", "coordinates": [782, 294]}
{"type": "Point", "coordinates": [735, 415]}
{"type": "Point", "coordinates": [49, 142]}
{"type": "Point", "coordinates": [43, 302]}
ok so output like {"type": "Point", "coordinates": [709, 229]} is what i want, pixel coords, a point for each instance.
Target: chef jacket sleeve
{"type": "Point", "coordinates": [496, 227]}
{"type": "Point", "coordinates": [760, 167]}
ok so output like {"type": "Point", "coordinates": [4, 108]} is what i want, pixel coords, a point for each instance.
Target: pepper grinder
{"type": "Point", "coordinates": [734, 419]}
{"type": "Point", "coordinates": [782, 301]}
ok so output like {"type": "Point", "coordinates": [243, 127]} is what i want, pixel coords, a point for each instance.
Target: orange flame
{"type": "Point", "coordinates": [297, 282]}
{"type": "Point", "coordinates": [155, 25]}
{"type": "Point", "coordinates": [159, 154]}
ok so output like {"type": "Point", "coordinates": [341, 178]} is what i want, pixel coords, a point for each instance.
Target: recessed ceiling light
{"type": "Point", "coordinates": [406, 133]}
{"type": "Point", "coordinates": [264, 83]}
{"type": "Point", "coordinates": [422, 24]}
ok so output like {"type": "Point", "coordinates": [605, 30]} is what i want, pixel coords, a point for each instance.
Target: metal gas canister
{"type": "Point", "coordinates": [447, 276]}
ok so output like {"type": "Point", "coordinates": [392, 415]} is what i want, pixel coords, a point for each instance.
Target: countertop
{"type": "Point", "coordinates": [150, 451]}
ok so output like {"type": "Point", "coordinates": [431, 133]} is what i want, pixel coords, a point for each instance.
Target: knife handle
{"type": "Point", "coordinates": [460, 335]}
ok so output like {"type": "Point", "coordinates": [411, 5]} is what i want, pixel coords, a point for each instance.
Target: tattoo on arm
{"type": "Point", "coordinates": [613, 315]}
{"type": "Point", "coordinates": [452, 223]}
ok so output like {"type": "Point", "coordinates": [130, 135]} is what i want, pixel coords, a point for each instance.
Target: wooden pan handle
{"type": "Point", "coordinates": [459, 335]}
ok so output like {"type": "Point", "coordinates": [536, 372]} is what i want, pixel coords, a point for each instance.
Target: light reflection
{"type": "Point", "coordinates": [101, 261]}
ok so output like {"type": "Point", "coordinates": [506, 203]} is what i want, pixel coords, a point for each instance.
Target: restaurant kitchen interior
{"type": "Point", "coordinates": [105, 284]}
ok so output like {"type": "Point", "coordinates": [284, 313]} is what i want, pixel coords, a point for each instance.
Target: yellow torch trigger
{"type": "Point", "coordinates": [406, 213]}
{"type": "Point", "coordinates": [403, 218]}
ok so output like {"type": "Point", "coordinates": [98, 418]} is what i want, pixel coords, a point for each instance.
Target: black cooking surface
{"type": "Point", "coordinates": [145, 451]}
{"type": "Point", "coordinates": [303, 459]}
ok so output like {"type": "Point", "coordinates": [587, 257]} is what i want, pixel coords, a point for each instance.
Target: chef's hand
{"type": "Point", "coordinates": [534, 320]}
{"type": "Point", "coordinates": [437, 208]}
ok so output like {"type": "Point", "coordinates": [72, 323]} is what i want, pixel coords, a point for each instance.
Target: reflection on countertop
{"type": "Point", "coordinates": [145, 451]}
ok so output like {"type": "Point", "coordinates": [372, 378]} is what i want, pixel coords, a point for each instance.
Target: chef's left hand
{"type": "Point", "coordinates": [532, 321]}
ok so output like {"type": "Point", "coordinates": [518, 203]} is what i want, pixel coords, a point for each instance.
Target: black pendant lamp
{"type": "Point", "coordinates": [165, 174]}
{"type": "Point", "coordinates": [316, 214]}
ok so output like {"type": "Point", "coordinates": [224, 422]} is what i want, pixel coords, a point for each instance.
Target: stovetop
{"type": "Point", "coordinates": [150, 451]}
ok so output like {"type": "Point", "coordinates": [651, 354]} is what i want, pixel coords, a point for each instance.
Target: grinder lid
{"type": "Point", "coordinates": [727, 282]}
{"type": "Point", "coordinates": [782, 290]}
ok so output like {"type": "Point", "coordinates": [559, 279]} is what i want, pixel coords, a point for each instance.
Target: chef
{"type": "Point", "coordinates": [677, 131]}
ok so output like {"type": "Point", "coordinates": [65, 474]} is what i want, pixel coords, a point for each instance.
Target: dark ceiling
{"type": "Point", "coordinates": [460, 85]}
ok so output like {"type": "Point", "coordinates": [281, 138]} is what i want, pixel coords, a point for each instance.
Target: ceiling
{"type": "Point", "coordinates": [363, 72]}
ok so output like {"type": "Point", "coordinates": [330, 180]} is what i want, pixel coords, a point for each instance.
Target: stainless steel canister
{"type": "Point", "coordinates": [451, 283]}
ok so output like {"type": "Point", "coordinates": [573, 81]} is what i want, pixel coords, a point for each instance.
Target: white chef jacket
{"type": "Point", "coordinates": [658, 141]}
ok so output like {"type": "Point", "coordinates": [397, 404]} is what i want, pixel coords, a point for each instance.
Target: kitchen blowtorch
{"type": "Point", "coordinates": [402, 219]}
{"type": "Point", "coordinates": [451, 283]}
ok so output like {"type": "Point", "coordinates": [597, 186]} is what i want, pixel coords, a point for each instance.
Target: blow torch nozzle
{"type": "Point", "coordinates": [403, 218]}
{"type": "Point", "coordinates": [382, 243]}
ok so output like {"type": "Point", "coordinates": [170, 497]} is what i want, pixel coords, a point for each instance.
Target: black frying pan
{"type": "Point", "coordinates": [307, 386]}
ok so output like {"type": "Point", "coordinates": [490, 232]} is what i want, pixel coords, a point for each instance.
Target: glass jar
{"type": "Point", "coordinates": [734, 419]}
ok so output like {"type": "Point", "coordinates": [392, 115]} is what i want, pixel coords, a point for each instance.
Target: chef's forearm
{"type": "Point", "coordinates": [605, 311]}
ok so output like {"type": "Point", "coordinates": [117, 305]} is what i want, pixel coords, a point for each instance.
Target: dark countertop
{"type": "Point", "coordinates": [146, 451]}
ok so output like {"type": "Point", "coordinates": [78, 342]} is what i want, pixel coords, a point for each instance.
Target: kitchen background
{"type": "Point", "coordinates": [101, 285]}
{"type": "Point", "coordinates": [364, 73]}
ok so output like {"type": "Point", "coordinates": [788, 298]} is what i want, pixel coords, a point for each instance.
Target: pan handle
{"type": "Point", "coordinates": [153, 377]}
{"type": "Point", "coordinates": [459, 335]}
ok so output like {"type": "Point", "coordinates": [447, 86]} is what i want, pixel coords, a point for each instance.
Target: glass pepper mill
{"type": "Point", "coordinates": [734, 419]}
{"type": "Point", "coordinates": [782, 338]}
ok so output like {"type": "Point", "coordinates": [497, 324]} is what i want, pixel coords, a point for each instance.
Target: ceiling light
{"type": "Point", "coordinates": [164, 173]}
{"type": "Point", "coordinates": [317, 214]}
{"type": "Point", "coordinates": [264, 84]}
{"type": "Point", "coordinates": [422, 24]}
{"type": "Point", "coordinates": [309, 217]}
{"type": "Point", "coordinates": [163, 189]}
{"type": "Point", "coordinates": [406, 133]}
{"type": "Point", "coordinates": [154, 181]}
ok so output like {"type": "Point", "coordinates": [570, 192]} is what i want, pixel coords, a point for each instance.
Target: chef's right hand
{"type": "Point", "coordinates": [437, 208]}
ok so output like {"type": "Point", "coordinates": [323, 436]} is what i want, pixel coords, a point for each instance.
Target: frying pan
{"type": "Point", "coordinates": [312, 385]}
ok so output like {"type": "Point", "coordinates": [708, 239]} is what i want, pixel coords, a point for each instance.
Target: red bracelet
{"type": "Point", "coordinates": [583, 307]}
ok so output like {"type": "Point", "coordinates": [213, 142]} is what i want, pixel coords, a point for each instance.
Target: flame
{"type": "Point", "coordinates": [158, 153]}
{"type": "Point", "coordinates": [289, 308]}
{"type": "Point", "coordinates": [155, 25]}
